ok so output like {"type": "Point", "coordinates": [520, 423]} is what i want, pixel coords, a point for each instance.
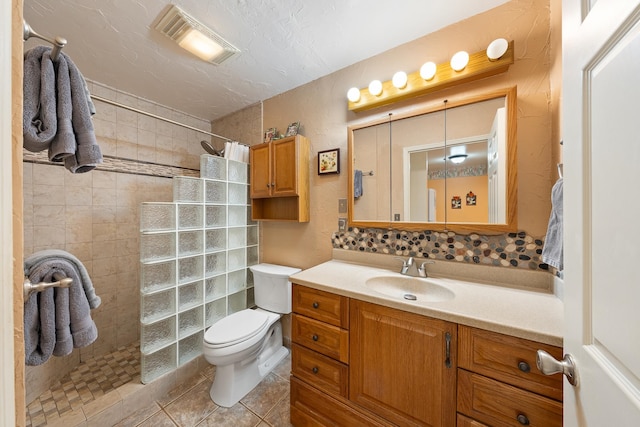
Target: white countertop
{"type": "Point", "coordinates": [530, 314]}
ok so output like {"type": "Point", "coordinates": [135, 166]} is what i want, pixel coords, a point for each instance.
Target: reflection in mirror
{"type": "Point", "coordinates": [438, 169]}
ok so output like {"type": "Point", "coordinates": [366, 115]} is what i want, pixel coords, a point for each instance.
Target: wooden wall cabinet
{"type": "Point", "coordinates": [279, 178]}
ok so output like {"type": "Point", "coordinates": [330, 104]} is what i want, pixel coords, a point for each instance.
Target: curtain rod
{"type": "Point", "coordinates": [117, 104]}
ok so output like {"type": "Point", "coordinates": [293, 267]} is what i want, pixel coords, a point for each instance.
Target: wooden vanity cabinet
{"type": "Point", "coordinates": [356, 363]}
{"type": "Point", "coordinates": [402, 365]}
{"type": "Point", "coordinates": [499, 383]}
{"type": "Point", "coordinates": [279, 179]}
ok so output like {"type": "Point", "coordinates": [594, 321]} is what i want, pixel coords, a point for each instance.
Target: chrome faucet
{"type": "Point", "coordinates": [406, 269]}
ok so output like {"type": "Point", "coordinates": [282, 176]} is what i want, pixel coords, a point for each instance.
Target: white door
{"type": "Point", "coordinates": [601, 133]}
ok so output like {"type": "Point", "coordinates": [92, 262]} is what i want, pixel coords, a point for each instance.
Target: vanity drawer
{"type": "Point", "coordinates": [323, 372]}
{"type": "Point", "coordinates": [508, 359]}
{"type": "Point", "coordinates": [497, 404]}
{"type": "Point", "coordinates": [320, 305]}
{"type": "Point", "coordinates": [326, 339]}
{"type": "Point", "coordinates": [310, 407]}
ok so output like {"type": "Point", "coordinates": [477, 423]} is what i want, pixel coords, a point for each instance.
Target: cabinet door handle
{"type": "Point", "coordinates": [273, 184]}
{"type": "Point", "coordinates": [522, 419]}
{"type": "Point", "coordinates": [314, 337]}
{"type": "Point", "coordinates": [268, 185]}
{"type": "Point", "coordinates": [447, 349]}
{"type": "Point", "coordinates": [315, 304]}
{"type": "Point", "coordinates": [315, 369]}
{"type": "Point", "coordinates": [524, 367]}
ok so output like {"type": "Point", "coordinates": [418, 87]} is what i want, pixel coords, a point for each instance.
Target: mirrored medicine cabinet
{"type": "Point", "coordinates": [448, 167]}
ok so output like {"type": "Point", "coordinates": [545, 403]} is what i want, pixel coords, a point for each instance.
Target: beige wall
{"type": "Point", "coordinates": [321, 106]}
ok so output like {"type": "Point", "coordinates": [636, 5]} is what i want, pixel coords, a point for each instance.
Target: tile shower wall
{"type": "Point", "coordinates": [194, 254]}
{"type": "Point", "coordinates": [95, 215]}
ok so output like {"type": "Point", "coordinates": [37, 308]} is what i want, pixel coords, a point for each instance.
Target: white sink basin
{"type": "Point", "coordinates": [409, 288]}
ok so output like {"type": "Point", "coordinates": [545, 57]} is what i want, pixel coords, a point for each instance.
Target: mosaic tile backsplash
{"type": "Point", "coordinates": [517, 250]}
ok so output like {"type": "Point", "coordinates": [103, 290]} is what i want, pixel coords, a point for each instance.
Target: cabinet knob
{"type": "Point", "coordinates": [315, 338]}
{"type": "Point", "coordinates": [315, 369]}
{"type": "Point", "coordinates": [524, 366]}
{"type": "Point", "coordinates": [315, 304]}
{"type": "Point", "coordinates": [522, 419]}
{"type": "Point", "coordinates": [268, 185]}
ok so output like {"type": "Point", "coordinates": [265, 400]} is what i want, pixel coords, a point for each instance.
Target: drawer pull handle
{"type": "Point", "coordinates": [522, 419]}
{"type": "Point", "coordinates": [524, 367]}
{"type": "Point", "coordinates": [315, 304]}
{"type": "Point", "coordinates": [315, 338]}
{"type": "Point", "coordinates": [447, 350]}
{"type": "Point", "coordinates": [315, 369]}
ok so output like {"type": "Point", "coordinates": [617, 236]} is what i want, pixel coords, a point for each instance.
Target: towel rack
{"type": "Point", "coordinates": [58, 43]}
{"type": "Point", "coordinates": [30, 288]}
{"type": "Point", "coordinates": [370, 173]}
{"type": "Point", "coordinates": [560, 169]}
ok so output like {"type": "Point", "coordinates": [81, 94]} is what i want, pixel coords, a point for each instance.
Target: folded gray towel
{"type": "Point", "coordinates": [32, 260]}
{"type": "Point", "coordinates": [72, 322]}
{"type": "Point", "coordinates": [39, 124]}
{"type": "Point", "coordinates": [88, 154]}
{"type": "Point", "coordinates": [357, 184]}
{"type": "Point", "coordinates": [64, 143]}
{"type": "Point", "coordinates": [552, 252]}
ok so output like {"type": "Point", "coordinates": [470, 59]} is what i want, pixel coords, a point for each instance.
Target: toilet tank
{"type": "Point", "coordinates": [272, 288]}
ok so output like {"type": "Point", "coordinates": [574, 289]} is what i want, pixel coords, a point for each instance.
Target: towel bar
{"type": "Point", "coordinates": [30, 288]}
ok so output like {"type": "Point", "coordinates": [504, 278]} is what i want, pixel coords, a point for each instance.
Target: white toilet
{"type": "Point", "coordinates": [247, 345]}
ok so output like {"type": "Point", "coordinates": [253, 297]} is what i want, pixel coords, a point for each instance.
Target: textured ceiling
{"type": "Point", "coordinates": [283, 43]}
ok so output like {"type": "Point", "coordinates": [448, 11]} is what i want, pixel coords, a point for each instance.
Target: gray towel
{"type": "Point", "coordinates": [88, 154]}
{"type": "Point", "coordinates": [85, 280]}
{"type": "Point", "coordinates": [39, 124]}
{"type": "Point", "coordinates": [57, 316]}
{"type": "Point", "coordinates": [357, 184]}
{"type": "Point", "coordinates": [64, 143]}
{"type": "Point", "coordinates": [552, 253]}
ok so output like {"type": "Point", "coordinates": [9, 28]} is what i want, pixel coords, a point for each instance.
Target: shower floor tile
{"type": "Point", "coordinates": [90, 380]}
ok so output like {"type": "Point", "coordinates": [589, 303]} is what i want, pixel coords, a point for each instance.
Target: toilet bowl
{"type": "Point", "coordinates": [245, 346]}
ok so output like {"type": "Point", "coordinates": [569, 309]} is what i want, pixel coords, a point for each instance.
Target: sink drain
{"type": "Point", "coordinates": [410, 297]}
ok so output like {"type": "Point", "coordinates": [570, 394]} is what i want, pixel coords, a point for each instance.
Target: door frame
{"type": "Point", "coordinates": [7, 352]}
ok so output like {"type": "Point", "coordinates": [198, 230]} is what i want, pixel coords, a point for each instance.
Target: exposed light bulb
{"type": "Point", "coordinates": [459, 60]}
{"type": "Point", "coordinates": [375, 87]}
{"type": "Point", "coordinates": [428, 70]}
{"type": "Point", "coordinates": [496, 49]}
{"type": "Point", "coordinates": [399, 79]}
{"type": "Point", "coordinates": [353, 94]}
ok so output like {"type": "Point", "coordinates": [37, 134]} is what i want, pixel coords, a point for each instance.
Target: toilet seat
{"type": "Point", "coordinates": [238, 327]}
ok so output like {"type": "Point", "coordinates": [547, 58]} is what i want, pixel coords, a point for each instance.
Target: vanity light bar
{"type": "Point", "coordinates": [478, 67]}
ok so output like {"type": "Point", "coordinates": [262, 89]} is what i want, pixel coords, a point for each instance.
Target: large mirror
{"type": "Point", "coordinates": [450, 167]}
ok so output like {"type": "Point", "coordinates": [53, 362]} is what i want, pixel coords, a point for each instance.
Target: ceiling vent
{"type": "Point", "coordinates": [194, 36]}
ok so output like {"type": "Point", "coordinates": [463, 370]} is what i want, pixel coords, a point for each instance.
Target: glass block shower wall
{"type": "Point", "coordinates": [194, 255]}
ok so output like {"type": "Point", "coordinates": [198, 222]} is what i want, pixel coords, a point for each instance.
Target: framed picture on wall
{"type": "Point", "coordinates": [471, 199]}
{"type": "Point", "coordinates": [456, 202]}
{"type": "Point", "coordinates": [329, 161]}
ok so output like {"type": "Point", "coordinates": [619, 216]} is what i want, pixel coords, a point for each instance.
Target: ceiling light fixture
{"type": "Point", "coordinates": [457, 158]}
{"type": "Point", "coordinates": [192, 35]}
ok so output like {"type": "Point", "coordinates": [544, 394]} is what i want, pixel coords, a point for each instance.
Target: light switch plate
{"type": "Point", "coordinates": [342, 224]}
{"type": "Point", "coordinates": [342, 205]}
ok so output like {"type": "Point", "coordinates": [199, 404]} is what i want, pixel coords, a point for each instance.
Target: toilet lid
{"type": "Point", "coordinates": [237, 327]}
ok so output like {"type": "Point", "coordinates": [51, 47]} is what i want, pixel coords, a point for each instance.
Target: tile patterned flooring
{"type": "Point", "coordinates": [186, 405]}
